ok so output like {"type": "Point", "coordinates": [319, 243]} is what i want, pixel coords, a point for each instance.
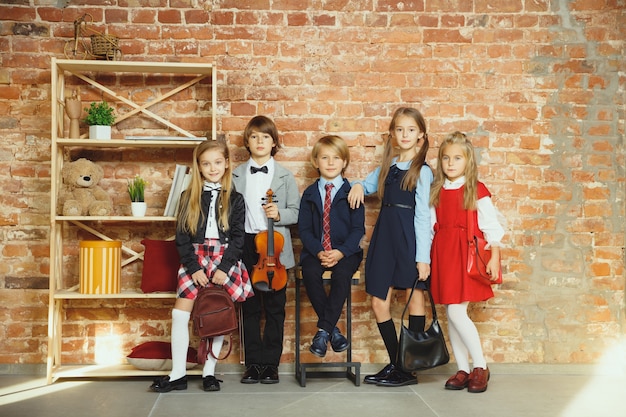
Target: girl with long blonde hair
{"type": "Point", "coordinates": [209, 238]}
{"type": "Point", "coordinates": [457, 195]}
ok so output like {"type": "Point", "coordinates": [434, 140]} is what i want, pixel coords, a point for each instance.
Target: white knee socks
{"type": "Point", "coordinates": [180, 343]}
{"type": "Point", "coordinates": [209, 365]}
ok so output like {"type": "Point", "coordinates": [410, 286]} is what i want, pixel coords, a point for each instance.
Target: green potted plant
{"type": "Point", "coordinates": [100, 118]}
{"type": "Point", "coordinates": [136, 191]}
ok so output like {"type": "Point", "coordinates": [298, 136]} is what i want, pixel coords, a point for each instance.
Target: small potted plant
{"type": "Point", "coordinates": [100, 118]}
{"type": "Point", "coordinates": [136, 191]}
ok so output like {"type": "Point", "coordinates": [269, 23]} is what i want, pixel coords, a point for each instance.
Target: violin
{"type": "Point", "coordinates": [268, 273]}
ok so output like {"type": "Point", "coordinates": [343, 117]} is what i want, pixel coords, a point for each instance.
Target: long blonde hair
{"type": "Point", "coordinates": [471, 171]}
{"type": "Point", "coordinates": [190, 210]}
{"type": "Point", "coordinates": [409, 182]}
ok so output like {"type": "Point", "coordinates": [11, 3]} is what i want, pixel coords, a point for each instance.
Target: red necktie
{"type": "Point", "coordinates": [326, 218]}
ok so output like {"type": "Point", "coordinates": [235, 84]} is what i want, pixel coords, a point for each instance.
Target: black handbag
{"type": "Point", "coordinates": [422, 350]}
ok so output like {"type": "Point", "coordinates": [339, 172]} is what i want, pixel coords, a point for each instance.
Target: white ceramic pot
{"type": "Point", "coordinates": [138, 209]}
{"type": "Point", "coordinates": [100, 132]}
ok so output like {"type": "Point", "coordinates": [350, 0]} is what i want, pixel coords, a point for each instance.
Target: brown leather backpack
{"type": "Point", "coordinates": [213, 314]}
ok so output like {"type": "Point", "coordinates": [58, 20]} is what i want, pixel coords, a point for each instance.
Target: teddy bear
{"type": "Point", "coordinates": [81, 195]}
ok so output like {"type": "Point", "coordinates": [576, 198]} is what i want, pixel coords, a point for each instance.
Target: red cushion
{"type": "Point", "coordinates": [160, 266]}
{"type": "Point", "coordinates": [158, 356]}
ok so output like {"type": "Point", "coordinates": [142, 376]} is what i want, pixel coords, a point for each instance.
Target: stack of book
{"type": "Point", "coordinates": [181, 180]}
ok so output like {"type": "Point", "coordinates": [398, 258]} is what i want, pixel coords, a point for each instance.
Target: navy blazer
{"type": "Point", "coordinates": [347, 226]}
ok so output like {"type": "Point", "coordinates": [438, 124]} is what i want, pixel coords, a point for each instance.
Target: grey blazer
{"type": "Point", "coordinates": [288, 200]}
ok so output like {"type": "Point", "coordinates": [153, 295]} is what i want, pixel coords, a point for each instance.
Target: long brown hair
{"type": "Point", "coordinates": [410, 179]}
{"type": "Point", "coordinates": [261, 124]}
{"type": "Point", "coordinates": [471, 171]}
{"type": "Point", "coordinates": [190, 202]}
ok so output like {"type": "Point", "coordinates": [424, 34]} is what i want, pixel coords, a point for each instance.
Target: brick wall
{"type": "Point", "coordinates": [540, 87]}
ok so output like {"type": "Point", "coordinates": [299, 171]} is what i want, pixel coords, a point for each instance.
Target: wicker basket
{"type": "Point", "coordinates": [104, 45]}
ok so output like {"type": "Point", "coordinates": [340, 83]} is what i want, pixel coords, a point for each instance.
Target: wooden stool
{"type": "Point", "coordinates": [352, 370]}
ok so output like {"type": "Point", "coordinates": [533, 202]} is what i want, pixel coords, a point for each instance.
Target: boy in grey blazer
{"type": "Point", "coordinates": [253, 179]}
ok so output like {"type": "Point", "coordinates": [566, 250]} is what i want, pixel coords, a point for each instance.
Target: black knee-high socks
{"type": "Point", "coordinates": [417, 323]}
{"type": "Point", "coordinates": [390, 337]}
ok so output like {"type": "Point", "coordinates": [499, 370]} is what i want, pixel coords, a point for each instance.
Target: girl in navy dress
{"type": "Point", "coordinates": [209, 239]}
{"type": "Point", "coordinates": [456, 190]}
{"type": "Point", "coordinates": [399, 251]}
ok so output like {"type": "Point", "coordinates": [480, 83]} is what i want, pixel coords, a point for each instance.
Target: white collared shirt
{"type": "Point", "coordinates": [212, 231]}
{"type": "Point", "coordinates": [256, 192]}
{"type": "Point", "coordinates": [337, 182]}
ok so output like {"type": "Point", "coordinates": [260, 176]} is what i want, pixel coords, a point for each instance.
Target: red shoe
{"type": "Point", "coordinates": [458, 381]}
{"type": "Point", "coordinates": [478, 380]}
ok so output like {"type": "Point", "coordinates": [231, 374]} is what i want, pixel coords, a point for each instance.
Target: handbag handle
{"type": "Point", "coordinates": [470, 226]}
{"type": "Point", "coordinates": [432, 303]}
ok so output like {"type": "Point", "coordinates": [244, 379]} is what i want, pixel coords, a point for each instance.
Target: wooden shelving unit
{"type": "Point", "coordinates": [89, 72]}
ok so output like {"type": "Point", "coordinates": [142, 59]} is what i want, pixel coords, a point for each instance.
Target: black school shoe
{"type": "Point", "coordinates": [163, 384]}
{"type": "Point", "coordinates": [397, 378]}
{"type": "Point", "coordinates": [383, 373]}
{"type": "Point", "coordinates": [210, 383]}
{"type": "Point", "coordinates": [319, 345]}
{"type": "Point", "coordinates": [338, 342]}
{"type": "Point", "coordinates": [269, 375]}
{"type": "Point", "coordinates": [252, 374]}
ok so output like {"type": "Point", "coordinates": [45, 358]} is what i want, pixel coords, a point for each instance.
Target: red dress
{"type": "Point", "coordinates": [449, 281]}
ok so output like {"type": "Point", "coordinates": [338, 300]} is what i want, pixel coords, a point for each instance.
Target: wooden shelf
{"type": "Point", "coordinates": [128, 143]}
{"type": "Point", "coordinates": [114, 219]}
{"type": "Point", "coordinates": [75, 295]}
{"type": "Point", "coordinates": [107, 78]}
{"type": "Point", "coordinates": [96, 371]}
{"type": "Point", "coordinates": [191, 68]}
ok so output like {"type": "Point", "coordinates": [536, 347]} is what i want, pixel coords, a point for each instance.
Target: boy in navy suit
{"type": "Point", "coordinates": [331, 234]}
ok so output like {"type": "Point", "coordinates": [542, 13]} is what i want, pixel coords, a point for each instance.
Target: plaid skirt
{"type": "Point", "coordinates": [210, 255]}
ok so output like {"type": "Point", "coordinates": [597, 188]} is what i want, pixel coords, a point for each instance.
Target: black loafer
{"type": "Point", "coordinates": [163, 384]}
{"type": "Point", "coordinates": [320, 343]}
{"type": "Point", "coordinates": [269, 375]}
{"type": "Point", "coordinates": [210, 383]}
{"type": "Point", "coordinates": [338, 342]}
{"type": "Point", "coordinates": [383, 373]}
{"type": "Point", "coordinates": [397, 378]}
{"type": "Point", "coordinates": [252, 375]}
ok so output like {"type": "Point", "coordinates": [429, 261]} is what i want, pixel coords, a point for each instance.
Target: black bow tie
{"type": "Point", "coordinates": [254, 170]}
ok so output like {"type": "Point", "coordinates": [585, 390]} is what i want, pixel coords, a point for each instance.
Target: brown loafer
{"type": "Point", "coordinates": [458, 381]}
{"type": "Point", "coordinates": [478, 380]}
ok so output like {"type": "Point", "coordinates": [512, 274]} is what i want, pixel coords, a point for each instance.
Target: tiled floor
{"type": "Point", "coordinates": [514, 390]}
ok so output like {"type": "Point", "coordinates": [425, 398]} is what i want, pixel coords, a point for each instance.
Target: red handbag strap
{"type": "Point", "coordinates": [470, 225]}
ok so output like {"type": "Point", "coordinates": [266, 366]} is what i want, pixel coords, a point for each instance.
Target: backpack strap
{"type": "Point", "coordinates": [206, 348]}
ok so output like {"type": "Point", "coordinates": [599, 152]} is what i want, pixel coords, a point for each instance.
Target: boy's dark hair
{"type": "Point", "coordinates": [261, 124]}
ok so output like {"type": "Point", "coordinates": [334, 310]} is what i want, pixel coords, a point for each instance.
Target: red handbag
{"type": "Point", "coordinates": [478, 256]}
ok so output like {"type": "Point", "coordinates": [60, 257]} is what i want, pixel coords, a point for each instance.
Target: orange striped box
{"type": "Point", "coordinates": [100, 266]}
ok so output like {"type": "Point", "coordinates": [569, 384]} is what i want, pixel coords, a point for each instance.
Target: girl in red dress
{"type": "Point", "coordinates": [455, 190]}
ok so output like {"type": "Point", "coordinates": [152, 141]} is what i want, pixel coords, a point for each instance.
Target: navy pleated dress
{"type": "Point", "coordinates": [391, 255]}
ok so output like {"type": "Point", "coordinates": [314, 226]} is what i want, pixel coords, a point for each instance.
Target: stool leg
{"type": "Point", "coordinates": [298, 370]}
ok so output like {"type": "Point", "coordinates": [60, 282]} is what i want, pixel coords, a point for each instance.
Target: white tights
{"type": "Point", "coordinates": [464, 337]}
